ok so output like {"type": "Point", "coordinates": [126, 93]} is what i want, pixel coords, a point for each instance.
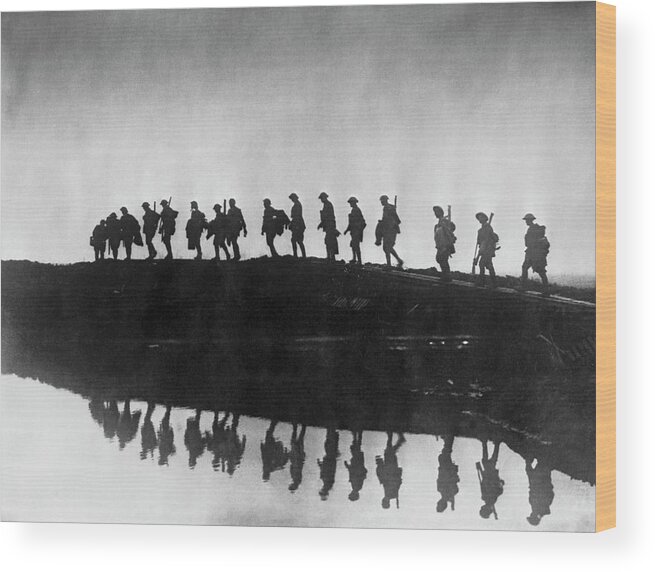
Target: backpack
{"type": "Point", "coordinates": [281, 221]}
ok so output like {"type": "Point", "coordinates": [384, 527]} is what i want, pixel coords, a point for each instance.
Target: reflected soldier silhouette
{"type": "Point", "coordinates": [541, 493]}
{"type": "Point", "coordinates": [130, 232]}
{"type": "Point", "coordinates": [150, 222]}
{"type": "Point", "coordinates": [166, 438]}
{"type": "Point", "coordinates": [97, 408]}
{"type": "Point", "coordinates": [113, 234]}
{"type": "Point", "coordinates": [356, 226]}
{"type": "Point", "coordinates": [110, 416]}
{"type": "Point", "coordinates": [99, 240]}
{"type": "Point", "coordinates": [128, 425]}
{"type": "Point", "coordinates": [387, 230]}
{"type": "Point", "coordinates": [491, 485]}
{"type": "Point", "coordinates": [194, 227]}
{"type": "Point", "coordinates": [536, 251]}
{"type": "Point", "coordinates": [148, 434]}
{"type": "Point", "coordinates": [444, 241]}
{"type": "Point", "coordinates": [328, 466]}
{"type": "Point", "coordinates": [297, 456]}
{"type": "Point", "coordinates": [329, 225]}
{"type": "Point", "coordinates": [236, 446]}
{"type": "Point", "coordinates": [356, 469]}
{"type": "Point", "coordinates": [235, 224]}
{"type": "Point", "coordinates": [269, 228]}
{"type": "Point", "coordinates": [167, 227]}
{"type": "Point", "coordinates": [193, 439]}
{"type": "Point", "coordinates": [274, 454]}
{"type": "Point", "coordinates": [388, 472]}
{"type": "Point", "coordinates": [447, 476]}
{"type": "Point", "coordinates": [486, 241]}
{"type": "Point", "coordinates": [297, 227]}
{"type": "Point", "coordinates": [225, 444]}
{"type": "Point", "coordinates": [218, 228]}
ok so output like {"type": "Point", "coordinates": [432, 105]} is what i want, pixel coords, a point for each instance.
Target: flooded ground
{"type": "Point", "coordinates": [68, 458]}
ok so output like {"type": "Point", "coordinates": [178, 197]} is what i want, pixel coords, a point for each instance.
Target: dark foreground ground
{"type": "Point", "coordinates": [315, 343]}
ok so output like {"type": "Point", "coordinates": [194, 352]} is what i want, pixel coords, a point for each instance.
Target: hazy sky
{"type": "Point", "coordinates": [484, 107]}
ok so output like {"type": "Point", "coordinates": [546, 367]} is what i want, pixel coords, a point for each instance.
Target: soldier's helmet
{"type": "Point", "coordinates": [218, 208]}
{"type": "Point", "coordinates": [438, 211]}
{"type": "Point", "coordinates": [194, 204]}
{"type": "Point", "coordinates": [267, 202]}
{"type": "Point", "coordinates": [293, 196]}
{"type": "Point", "coordinates": [145, 204]}
{"type": "Point", "coordinates": [112, 215]}
{"type": "Point", "coordinates": [486, 511]}
{"type": "Point", "coordinates": [352, 200]}
{"type": "Point", "coordinates": [103, 221]}
{"type": "Point", "coordinates": [163, 203]}
{"type": "Point", "coordinates": [481, 217]}
{"type": "Point", "coordinates": [529, 216]}
{"type": "Point", "coordinates": [323, 195]}
{"type": "Point", "coordinates": [384, 198]}
{"type": "Point", "coordinates": [124, 210]}
{"type": "Point", "coordinates": [232, 202]}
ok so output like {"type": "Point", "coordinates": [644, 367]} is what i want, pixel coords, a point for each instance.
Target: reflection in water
{"type": "Point", "coordinates": [447, 475]}
{"type": "Point", "coordinates": [128, 425]}
{"type": "Point", "coordinates": [274, 454]}
{"type": "Point", "coordinates": [328, 465]}
{"type": "Point", "coordinates": [491, 485]}
{"type": "Point", "coordinates": [110, 416]}
{"type": "Point", "coordinates": [356, 468]}
{"type": "Point", "coordinates": [541, 493]}
{"type": "Point", "coordinates": [193, 439]}
{"type": "Point", "coordinates": [389, 473]}
{"type": "Point", "coordinates": [297, 456]}
{"type": "Point", "coordinates": [166, 438]}
{"type": "Point", "coordinates": [225, 444]}
{"type": "Point", "coordinates": [148, 434]}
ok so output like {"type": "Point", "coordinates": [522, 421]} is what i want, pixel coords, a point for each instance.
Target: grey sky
{"type": "Point", "coordinates": [484, 107]}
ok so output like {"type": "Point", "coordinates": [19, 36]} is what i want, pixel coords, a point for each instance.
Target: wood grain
{"type": "Point", "coordinates": [605, 266]}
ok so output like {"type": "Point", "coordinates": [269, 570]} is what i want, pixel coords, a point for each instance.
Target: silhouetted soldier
{"type": "Point", "coordinates": [148, 434]}
{"type": "Point", "coordinates": [218, 228]}
{"type": "Point", "coordinates": [99, 240]}
{"type": "Point", "coordinates": [130, 232]}
{"type": "Point", "coordinates": [356, 226]}
{"type": "Point", "coordinates": [447, 476]}
{"type": "Point", "coordinates": [110, 417]}
{"type": "Point", "coordinates": [150, 222]}
{"type": "Point", "coordinates": [541, 492]}
{"type": "Point", "coordinates": [128, 425]}
{"type": "Point", "coordinates": [167, 227]}
{"type": "Point", "coordinates": [388, 228]}
{"type": "Point", "coordinates": [166, 438]}
{"type": "Point", "coordinates": [297, 227]}
{"type": "Point", "coordinates": [114, 234]}
{"type": "Point", "coordinates": [297, 456]}
{"type": "Point", "coordinates": [194, 227]}
{"type": "Point", "coordinates": [236, 446]}
{"type": "Point", "coordinates": [236, 223]}
{"type": "Point", "coordinates": [269, 228]}
{"type": "Point", "coordinates": [329, 225]}
{"type": "Point", "coordinates": [274, 454]}
{"type": "Point", "coordinates": [193, 440]}
{"type": "Point", "coordinates": [389, 473]}
{"type": "Point", "coordinates": [328, 466]}
{"type": "Point", "coordinates": [444, 241]}
{"type": "Point", "coordinates": [536, 251]}
{"type": "Point", "coordinates": [487, 241]}
{"type": "Point", "coordinates": [491, 485]}
{"type": "Point", "coordinates": [356, 469]}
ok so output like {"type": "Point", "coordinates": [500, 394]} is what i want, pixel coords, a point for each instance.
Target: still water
{"type": "Point", "coordinates": [66, 458]}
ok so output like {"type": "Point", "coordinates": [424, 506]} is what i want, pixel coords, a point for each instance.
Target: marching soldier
{"type": "Point", "coordinates": [356, 226]}
{"type": "Point", "coordinates": [328, 465]}
{"type": "Point", "coordinates": [329, 225]}
{"type": "Point", "coordinates": [491, 485]}
{"type": "Point", "coordinates": [389, 473]}
{"type": "Point", "coordinates": [536, 251]}
{"type": "Point", "coordinates": [540, 492]}
{"type": "Point", "coordinates": [487, 240]}
{"type": "Point", "coordinates": [167, 227]}
{"type": "Point", "coordinates": [130, 232]}
{"type": "Point", "coordinates": [388, 228]}
{"type": "Point", "coordinates": [99, 240]}
{"type": "Point", "coordinates": [269, 228]}
{"type": "Point", "coordinates": [356, 468]}
{"type": "Point", "coordinates": [444, 241]}
{"type": "Point", "coordinates": [218, 228]}
{"type": "Point", "coordinates": [447, 475]}
{"type": "Point", "coordinates": [194, 227]}
{"type": "Point", "coordinates": [150, 222]}
{"type": "Point", "coordinates": [114, 234]}
{"type": "Point", "coordinates": [297, 227]}
{"type": "Point", "coordinates": [235, 224]}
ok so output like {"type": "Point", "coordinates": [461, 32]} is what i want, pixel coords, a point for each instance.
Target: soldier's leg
{"type": "Point", "coordinates": [395, 255]}
{"type": "Point", "coordinates": [166, 239]}
{"type": "Point", "coordinates": [482, 268]}
{"type": "Point", "coordinates": [237, 252]}
{"type": "Point", "coordinates": [217, 252]}
{"type": "Point", "coordinates": [492, 273]}
{"type": "Point", "coordinates": [294, 247]}
{"type": "Point", "coordinates": [198, 249]}
{"type": "Point", "coordinates": [543, 277]}
{"type": "Point", "coordinates": [524, 270]}
{"type": "Point", "coordinates": [270, 240]}
{"type": "Point", "coordinates": [96, 253]}
{"type": "Point", "coordinates": [302, 249]}
{"type": "Point", "coordinates": [128, 248]}
{"type": "Point", "coordinates": [227, 252]}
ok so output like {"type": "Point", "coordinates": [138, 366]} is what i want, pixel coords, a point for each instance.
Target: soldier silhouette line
{"type": "Point", "coordinates": [329, 225]}
{"type": "Point", "coordinates": [491, 485]}
{"type": "Point", "coordinates": [194, 228]}
{"type": "Point", "coordinates": [486, 241]}
{"type": "Point", "coordinates": [387, 230]}
{"type": "Point", "coordinates": [167, 227]}
{"type": "Point", "coordinates": [356, 226]}
{"type": "Point", "coordinates": [444, 241]}
{"type": "Point", "coordinates": [537, 248]}
{"type": "Point", "coordinates": [150, 222]}
{"type": "Point", "coordinates": [328, 465]}
{"type": "Point", "coordinates": [388, 472]}
{"type": "Point", "coordinates": [236, 223]}
{"type": "Point", "coordinates": [218, 228]}
{"type": "Point", "coordinates": [297, 456]}
{"type": "Point", "coordinates": [99, 240]}
{"type": "Point", "coordinates": [297, 227]}
{"type": "Point", "coordinates": [356, 468]}
{"type": "Point", "coordinates": [130, 232]}
{"type": "Point", "coordinates": [447, 475]}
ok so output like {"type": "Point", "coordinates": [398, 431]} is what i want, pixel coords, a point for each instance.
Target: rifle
{"type": "Point", "coordinates": [449, 212]}
{"type": "Point", "coordinates": [476, 252]}
{"type": "Point", "coordinates": [161, 220]}
{"type": "Point", "coordinates": [224, 206]}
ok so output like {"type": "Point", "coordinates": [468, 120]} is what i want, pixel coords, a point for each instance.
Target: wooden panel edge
{"type": "Point", "coordinates": [605, 266]}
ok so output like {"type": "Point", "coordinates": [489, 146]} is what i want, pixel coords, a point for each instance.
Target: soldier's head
{"type": "Point", "coordinates": [267, 202]}
{"type": "Point", "coordinates": [352, 201]}
{"type": "Point", "coordinates": [529, 219]}
{"type": "Point", "coordinates": [534, 519]}
{"type": "Point", "coordinates": [482, 218]}
{"type": "Point", "coordinates": [232, 202]}
{"type": "Point", "coordinates": [293, 197]}
{"type": "Point", "coordinates": [194, 205]}
{"type": "Point", "coordinates": [323, 196]}
{"type": "Point", "coordinates": [486, 511]}
{"type": "Point", "coordinates": [386, 502]}
{"type": "Point", "coordinates": [124, 210]}
{"type": "Point", "coordinates": [146, 206]}
{"type": "Point", "coordinates": [438, 211]}
{"type": "Point", "coordinates": [353, 496]}
{"type": "Point", "coordinates": [103, 222]}
{"type": "Point", "coordinates": [218, 208]}
{"type": "Point", "coordinates": [384, 199]}
{"type": "Point", "coordinates": [442, 504]}
{"type": "Point", "coordinates": [163, 203]}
